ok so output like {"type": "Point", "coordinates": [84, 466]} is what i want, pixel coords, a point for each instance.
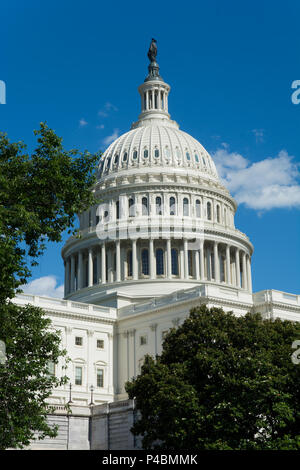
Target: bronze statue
{"type": "Point", "coordinates": [152, 53]}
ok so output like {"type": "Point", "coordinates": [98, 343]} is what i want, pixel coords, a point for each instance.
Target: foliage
{"type": "Point", "coordinates": [25, 382]}
{"type": "Point", "coordinates": [40, 195]}
{"type": "Point", "coordinates": [221, 382]}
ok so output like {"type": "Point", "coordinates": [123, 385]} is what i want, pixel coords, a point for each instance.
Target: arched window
{"type": "Point", "coordinates": [178, 153]}
{"type": "Point", "coordinates": [134, 155]}
{"type": "Point", "coordinates": [208, 209]}
{"type": "Point", "coordinates": [172, 206]}
{"type": "Point", "coordinates": [146, 153]}
{"type": "Point", "coordinates": [131, 207]}
{"type": "Point", "coordinates": [188, 157]}
{"type": "Point", "coordinates": [129, 263]}
{"type": "Point", "coordinates": [118, 209]}
{"type": "Point", "coordinates": [108, 163]}
{"type": "Point", "coordinates": [90, 219]}
{"type": "Point", "coordinates": [159, 262]}
{"type": "Point", "coordinates": [125, 156]}
{"type": "Point", "coordinates": [198, 208]}
{"type": "Point", "coordinates": [156, 153]}
{"type": "Point", "coordinates": [218, 214]}
{"type": "Point", "coordinates": [174, 257]}
{"type": "Point", "coordinates": [145, 262]}
{"type": "Point", "coordinates": [158, 205]}
{"type": "Point", "coordinates": [145, 206]}
{"type": "Point", "coordinates": [105, 217]}
{"type": "Point", "coordinates": [204, 161]}
{"type": "Point", "coordinates": [167, 153]}
{"type": "Point", "coordinates": [196, 158]}
{"type": "Point", "coordinates": [185, 206]}
{"type": "Point", "coordinates": [116, 159]}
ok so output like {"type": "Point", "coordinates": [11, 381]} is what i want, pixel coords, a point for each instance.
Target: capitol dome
{"type": "Point", "coordinates": [155, 146]}
{"type": "Point", "coordinates": [165, 221]}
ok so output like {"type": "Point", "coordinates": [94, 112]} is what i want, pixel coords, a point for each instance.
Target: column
{"type": "Point", "coordinates": [186, 260]}
{"type": "Point", "coordinates": [237, 268]}
{"type": "Point", "coordinates": [111, 363]}
{"type": "Point", "coordinates": [134, 261]}
{"type": "Point", "coordinates": [249, 273]}
{"type": "Point", "coordinates": [80, 270]}
{"type": "Point", "coordinates": [98, 266]}
{"type": "Point", "coordinates": [201, 254]}
{"type": "Point", "coordinates": [118, 261]}
{"type": "Point", "coordinates": [147, 100]}
{"type": "Point", "coordinates": [90, 267]}
{"type": "Point", "coordinates": [151, 259]}
{"type": "Point", "coordinates": [158, 99]}
{"type": "Point", "coordinates": [152, 91]}
{"type": "Point", "coordinates": [244, 274]}
{"type": "Point", "coordinates": [169, 260]}
{"type": "Point", "coordinates": [67, 276]}
{"type": "Point", "coordinates": [208, 264]}
{"type": "Point", "coordinates": [216, 262]}
{"type": "Point", "coordinates": [154, 328]}
{"type": "Point", "coordinates": [72, 287]}
{"type": "Point", "coordinates": [228, 278]}
{"type": "Point", "coordinates": [196, 259]}
{"type": "Point", "coordinates": [181, 254]}
{"type": "Point", "coordinates": [103, 263]}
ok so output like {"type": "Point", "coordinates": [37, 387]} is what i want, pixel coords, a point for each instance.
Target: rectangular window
{"type": "Point", "coordinates": [143, 340]}
{"type": "Point", "coordinates": [100, 378]}
{"type": "Point", "coordinates": [51, 368]}
{"type": "Point", "coordinates": [78, 340]}
{"type": "Point", "coordinates": [100, 344]}
{"type": "Point", "coordinates": [78, 375]}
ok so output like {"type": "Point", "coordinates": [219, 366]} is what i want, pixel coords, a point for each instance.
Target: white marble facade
{"type": "Point", "coordinates": [161, 241]}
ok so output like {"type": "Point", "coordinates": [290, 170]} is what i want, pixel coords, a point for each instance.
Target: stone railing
{"type": "Point", "coordinates": [67, 305]}
{"type": "Point", "coordinates": [276, 296]}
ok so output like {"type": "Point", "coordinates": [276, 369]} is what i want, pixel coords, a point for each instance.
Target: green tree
{"type": "Point", "coordinates": [221, 382]}
{"type": "Point", "coordinates": [40, 195]}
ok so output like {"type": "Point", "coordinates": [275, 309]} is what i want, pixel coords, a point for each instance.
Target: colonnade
{"type": "Point", "coordinates": [155, 98]}
{"type": "Point", "coordinates": [121, 260]}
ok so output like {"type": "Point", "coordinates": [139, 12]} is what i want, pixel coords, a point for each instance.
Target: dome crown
{"type": "Point", "coordinates": [155, 141]}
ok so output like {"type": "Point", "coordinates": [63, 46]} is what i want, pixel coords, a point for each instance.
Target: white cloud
{"type": "Point", "coordinates": [46, 285]}
{"type": "Point", "coordinates": [83, 122]}
{"type": "Point", "coordinates": [100, 126]}
{"type": "Point", "coordinates": [104, 112]}
{"type": "Point", "coordinates": [267, 184]}
{"type": "Point", "coordinates": [110, 138]}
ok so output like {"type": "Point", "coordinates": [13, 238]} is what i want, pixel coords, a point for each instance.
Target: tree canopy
{"type": "Point", "coordinates": [221, 382]}
{"type": "Point", "coordinates": [40, 195]}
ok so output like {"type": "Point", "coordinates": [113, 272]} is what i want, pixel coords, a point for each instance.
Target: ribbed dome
{"type": "Point", "coordinates": [156, 145]}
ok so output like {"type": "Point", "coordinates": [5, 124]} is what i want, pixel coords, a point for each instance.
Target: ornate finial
{"type": "Point", "coordinates": [153, 67]}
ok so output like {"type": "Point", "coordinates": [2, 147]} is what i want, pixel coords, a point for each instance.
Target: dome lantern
{"type": "Point", "coordinates": [154, 94]}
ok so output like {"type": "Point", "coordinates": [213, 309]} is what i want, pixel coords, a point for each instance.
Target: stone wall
{"type": "Point", "coordinates": [101, 427]}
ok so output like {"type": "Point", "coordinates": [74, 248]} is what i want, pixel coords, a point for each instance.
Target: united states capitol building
{"type": "Point", "coordinates": [161, 241]}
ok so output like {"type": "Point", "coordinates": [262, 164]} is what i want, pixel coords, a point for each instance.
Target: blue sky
{"type": "Point", "coordinates": [77, 65]}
